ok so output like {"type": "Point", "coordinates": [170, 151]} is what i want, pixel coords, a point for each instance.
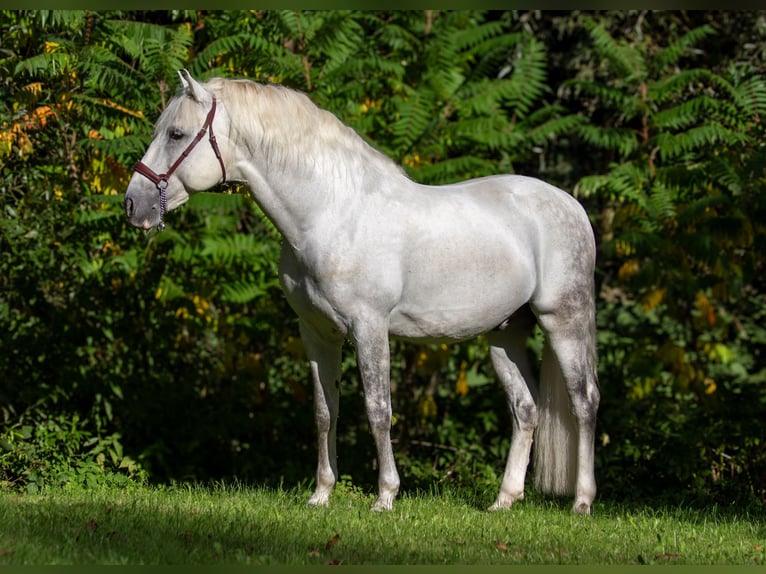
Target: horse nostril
{"type": "Point", "coordinates": [128, 206]}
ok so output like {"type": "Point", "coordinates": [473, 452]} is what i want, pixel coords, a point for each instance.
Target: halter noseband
{"type": "Point", "coordinates": [161, 180]}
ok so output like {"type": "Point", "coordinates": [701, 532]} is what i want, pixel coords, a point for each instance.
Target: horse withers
{"type": "Point", "coordinates": [369, 254]}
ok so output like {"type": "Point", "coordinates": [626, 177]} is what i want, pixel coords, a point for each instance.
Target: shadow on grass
{"type": "Point", "coordinates": [204, 527]}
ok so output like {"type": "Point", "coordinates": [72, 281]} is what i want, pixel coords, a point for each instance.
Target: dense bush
{"type": "Point", "coordinates": [174, 356]}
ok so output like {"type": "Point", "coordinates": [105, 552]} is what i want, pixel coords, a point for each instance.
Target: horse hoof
{"type": "Point", "coordinates": [382, 505]}
{"type": "Point", "coordinates": [581, 508]}
{"type": "Point", "coordinates": [319, 499]}
{"type": "Point", "coordinates": [504, 502]}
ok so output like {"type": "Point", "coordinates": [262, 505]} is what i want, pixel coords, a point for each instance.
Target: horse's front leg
{"type": "Point", "coordinates": [373, 356]}
{"type": "Point", "coordinates": [324, 354]}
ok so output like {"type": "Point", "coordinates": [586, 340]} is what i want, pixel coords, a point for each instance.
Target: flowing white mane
{"type": "Point", "coordinates": [290, 132]}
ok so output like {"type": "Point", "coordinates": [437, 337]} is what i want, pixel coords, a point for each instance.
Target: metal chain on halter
{"type": "Point", "coordinates": [163, 204]}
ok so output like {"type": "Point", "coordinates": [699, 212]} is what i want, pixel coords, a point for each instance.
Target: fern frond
{"type": "Point", "coordinates": [473, 37]}
{"type": "Point", "coordinates": [671, 54]}
{"type": "Point", "coordinates": [628, 182]}
{"type": "Point", "coordinates": [493, 58]}
{"type": "Point", "coordinates": [483, 97]}
{"type": "Point", "coordinates": [696, 139]}
{"type": "Point", "coordinates": [724, 173]}
{"type": "Point", "coordinates": [209, 56]}
{"type": "Point", "coordinates": [162, 58]}
{"type": "Point", "coordinates": [232, 248]}
{"type": "Point", "coordinates": [413, 118]}
{"type": "Point", "coordinates": [681, 85]}
{"type": "Point", "coordinates": [750, 96]}
{"type": "Point", "coordinates": [685, 114]}
{"type": "Point", "coordinates": [338, 38]}
{"type": "Point", "coordinates": [397, 38]}
{"type": "Point", "coordinates": [492, 132]}
{"type": "Point", "coordinates": [241, 292]}
{"type": "Point", "coordinates": [528, 77]}
{"type": "Point", "coordinates": [661, 203]}
{"type": "Point", "coordinates": [623, 140]}
{"type": "Point", "coordinates": [608, 96]}
{"type": "Point", "coordinates": [547, 124]}
{"type": "Point", "coordinates": [454, 169]}
{"type": "Point", "coordinates": [625, 61]}
{"type": "Point", "coordinates": [592, 186]}
{"type": "Point", "coordinates": [203, 202]}
{"type": "Point", "coordinates": [45, 65]}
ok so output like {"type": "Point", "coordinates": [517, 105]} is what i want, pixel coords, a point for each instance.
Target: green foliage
{"type": "Point", "coordinates": [39, 451]}
{"type": "Point", "coordinates": [177, 351]}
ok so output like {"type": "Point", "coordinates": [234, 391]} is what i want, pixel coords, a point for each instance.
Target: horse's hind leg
{"type": "Point", "coordinates": [571, 333]}
{"type": "Point", "coordinates": [324, 355]}
{"type": "Point", "coordinates": [508, 351]}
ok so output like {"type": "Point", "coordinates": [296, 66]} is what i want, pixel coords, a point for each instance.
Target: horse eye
{"type": "Point", "coordinates": [175, 134]}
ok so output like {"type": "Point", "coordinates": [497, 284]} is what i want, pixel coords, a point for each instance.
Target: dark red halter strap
{"type": "Point", "coordinates": [161, 180]}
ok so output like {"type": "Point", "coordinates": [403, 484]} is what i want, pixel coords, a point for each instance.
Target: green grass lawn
{"type": "Point", "coordinates": [219, 525]}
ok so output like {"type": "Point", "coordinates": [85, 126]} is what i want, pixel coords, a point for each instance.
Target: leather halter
{"type": "Point", "coordinates": [161, 180]}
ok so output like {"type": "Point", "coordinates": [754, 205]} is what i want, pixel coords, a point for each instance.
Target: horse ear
{"type": "Point", "coordinates": [184, 82]}
{"type": "Point", "coordinates": [193, 87]}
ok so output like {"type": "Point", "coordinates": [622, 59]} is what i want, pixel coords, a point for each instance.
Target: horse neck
{"type": "Point", "coordinates": [303, 181]}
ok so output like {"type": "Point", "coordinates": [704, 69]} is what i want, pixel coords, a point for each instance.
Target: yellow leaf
{"type": "Point", "coordinates": [628, 269]}
{"type": "Point", "coordinates": [623, 248]}
{"type": "Point", "coordinates": [654, 298]}
{"type": "Point", "coordinates": [703, 305]}
{"type": "Point", "coordinates": [461, 385]}
{"type": "Point", "coordinates": [35, 88]}
{"type": "Point", "coordinates": [427, 407]}
{"type": "Point", "coordinates": [42, 113]}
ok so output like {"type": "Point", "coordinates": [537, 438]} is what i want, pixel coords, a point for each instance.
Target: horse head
{"type": "Point", "coordinates": [174, 166]}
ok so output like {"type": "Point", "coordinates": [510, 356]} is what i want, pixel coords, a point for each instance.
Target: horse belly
{"type": "Point", "coordinates": [458, 297]}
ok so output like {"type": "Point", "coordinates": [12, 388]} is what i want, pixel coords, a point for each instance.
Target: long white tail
{"type": "Point", "coordinates": [555, 444]}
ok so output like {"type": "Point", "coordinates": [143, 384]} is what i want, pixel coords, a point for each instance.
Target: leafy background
{"type": "Point", "coordinates": [174, 357]}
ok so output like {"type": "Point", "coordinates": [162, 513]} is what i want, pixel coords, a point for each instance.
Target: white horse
{"type": "Point", "coordinates": [368, 254]}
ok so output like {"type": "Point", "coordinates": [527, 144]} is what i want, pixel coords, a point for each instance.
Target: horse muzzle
{"type": "Point", "coordinates": [145, 218]}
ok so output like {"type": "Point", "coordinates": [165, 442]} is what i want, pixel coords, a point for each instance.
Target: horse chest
{"type": "Point", "coordinates": [330, 290]}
